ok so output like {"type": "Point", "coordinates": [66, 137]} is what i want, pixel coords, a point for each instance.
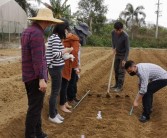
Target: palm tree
{"type": "Point", "coordinates": [27, 7]}
{"type": "Point", "coordinates": [133, 16]}
{"type": "Point", "coordinates": [59, 10]}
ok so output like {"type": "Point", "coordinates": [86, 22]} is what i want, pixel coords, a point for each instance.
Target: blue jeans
{"type": "Point", "coordinates": [56, 79]}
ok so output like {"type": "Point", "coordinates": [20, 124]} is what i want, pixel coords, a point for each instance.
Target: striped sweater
{"type": "Point", "coordinates": [54, 52]}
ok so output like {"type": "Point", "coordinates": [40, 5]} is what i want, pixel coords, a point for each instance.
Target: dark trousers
{"type": "Point", "coordinates": [56, 79]}
{"type": "Point", "coordinates": [63, 91]}
{"type": "Point", "coordinates": [153, 87]}
{"type": "Point", "coordinates": [35, 104]}
{"type": "Point", "coordinates": [72, 87]}
{"type": "Point", "coordinates": [119, 72]}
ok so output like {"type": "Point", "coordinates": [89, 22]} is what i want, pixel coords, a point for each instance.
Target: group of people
{"type": "Point", "coordinates": [61, 60]}
{"type": "Point", "coordinates": [151, 77]}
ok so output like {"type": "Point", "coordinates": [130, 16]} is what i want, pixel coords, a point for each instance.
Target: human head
{"type": "Point", "coordinates": [62, 29]}
{"type": "Point", "coordinates": [118, 26]}
{"type": "Point", "coordinates": [130, 67]}
{"type": "Point", "coordinates": [45, 18]}
{"type": "Point", "coordinates": [82, 30]}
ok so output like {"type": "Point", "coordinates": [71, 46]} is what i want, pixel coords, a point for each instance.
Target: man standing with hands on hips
{"type": "Point", "coordinates": [34, 70]}
{"type": "Point", "coordinates": [120, 45]}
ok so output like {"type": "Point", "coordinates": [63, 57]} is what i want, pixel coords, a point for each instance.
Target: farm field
{"type": "Point", "coordinates": [96, 64]}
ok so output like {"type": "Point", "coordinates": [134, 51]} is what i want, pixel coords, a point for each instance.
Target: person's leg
{"type": "Point", "coordinates": [63, 96]}
{"type": "Point", "coordinates": [63, 91]}
{"type": "Point", "coordinates": [121, 74]}
{"type": "Point", "coordinates": [35, 104]}
{"type": "Point", "coordinates": [148, 97]}
{"type": "Point", "coordinates": [116, 69]}
{"type": "Point", "coordinates": [76, 89]}
{"type": "Point", "coordinates": [71, 87]}
{"type": "Point", "coordinates": [56, 79]}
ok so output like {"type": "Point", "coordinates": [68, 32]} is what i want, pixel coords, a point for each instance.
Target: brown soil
{"type": "Point", "coordinates": [116, 122]}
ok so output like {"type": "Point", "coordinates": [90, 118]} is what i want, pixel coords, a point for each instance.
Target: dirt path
{"type": "Point", "coordinates": [116, 122]}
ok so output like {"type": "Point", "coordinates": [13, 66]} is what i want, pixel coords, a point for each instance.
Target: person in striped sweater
{"type": "Point", "coordinates": [55, 63]}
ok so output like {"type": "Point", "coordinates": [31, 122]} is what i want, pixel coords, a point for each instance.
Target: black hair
{"type": "Point", "coordinates": [118, 25]}
{"type": "Point", "coordinates": [128, 64]}
{"type": "Point", "coordinates": [60, 29]}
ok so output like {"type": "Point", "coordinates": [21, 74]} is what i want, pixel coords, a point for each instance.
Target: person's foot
{"type": "Point", "coordinates": [64, 109]}
{"type": "Point", "coordinates": [55, 120]}
{"type": "Point", "coordinates": [42, 135]}
{"type": "Point", "coordinates": [76, 100]}
{"type": "Point", "coordinates": [114, 86]}
{"type": "Point", "coordinates": [118, 89]}
{"type": "Point", "coordinates": [143, 119]}
{"type": "Point", "coordinates": [68, 106]}
{"type": "Point", "coordinates": [60, 117]}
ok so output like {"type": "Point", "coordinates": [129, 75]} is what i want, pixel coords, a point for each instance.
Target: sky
{"type": "Point", "coordinates": [116, 6]}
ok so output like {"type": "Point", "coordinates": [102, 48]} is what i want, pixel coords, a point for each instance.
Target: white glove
{"type": "Point", "coordinates": [71, 57]}
{"type": "Point", "coordinates": [68, 56]}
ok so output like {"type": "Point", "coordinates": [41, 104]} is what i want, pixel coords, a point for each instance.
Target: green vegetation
{"type": "Point", "coordinates": [143, 37]}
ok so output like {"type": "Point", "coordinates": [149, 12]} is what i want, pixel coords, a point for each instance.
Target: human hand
{"type": "Point", "coordinates": [113, 51]}
{"type": "Point", "coordinates": [42, 85]}
{"type": "Point", "coordinates": [136, 103]}
{"type": "Point", "coordinates": [123, 63]}
{"type": "Point", "coordinates": [67, 50]}
{"type": "Point", "coordinates": [77, 71]}
{"type": "Point", "coordinates": [71, 57]}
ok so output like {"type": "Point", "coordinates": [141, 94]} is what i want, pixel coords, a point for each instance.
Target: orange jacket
{"type": "Point", "coordinates": [71, 41]}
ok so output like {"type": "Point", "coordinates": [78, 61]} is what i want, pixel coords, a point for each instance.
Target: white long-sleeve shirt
{"type": "Point", "coordinates": [148, 72]}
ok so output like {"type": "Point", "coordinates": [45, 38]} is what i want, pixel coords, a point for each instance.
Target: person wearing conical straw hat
{"type": "Point", "coordinates": [34, 70]}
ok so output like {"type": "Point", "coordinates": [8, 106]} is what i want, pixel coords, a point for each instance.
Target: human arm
{"type": "Point", "coordinates": [127, 46]}
{"type": "Point", "coordinates": [37, 47]}
{"type": "Point", "coordinates": [143, 79]}
{"type": "Point", "coordinates": [57, 47]}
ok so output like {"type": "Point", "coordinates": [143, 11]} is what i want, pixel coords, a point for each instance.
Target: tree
{"type": "Point", "coordinates": [59, 9]}
{"type": "Point", "coordinates": [27, 7]}
{"type": "Point", "coordinates": [93, 12]}
{"type": "Point", "coordinates": [133, 17]}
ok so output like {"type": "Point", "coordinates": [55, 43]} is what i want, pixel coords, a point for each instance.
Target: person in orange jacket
{"type": "Point", "coordinates": [71, 60]}
{"type": "Point", "coordinates": [82, 31]}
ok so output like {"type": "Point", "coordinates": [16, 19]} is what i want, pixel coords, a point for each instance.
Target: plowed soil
{"type": "Point", "coordinates": [96, 65]}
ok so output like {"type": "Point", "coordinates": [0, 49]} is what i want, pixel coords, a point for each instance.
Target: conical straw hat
{"type": "Point", "coordinates": [45, 14]}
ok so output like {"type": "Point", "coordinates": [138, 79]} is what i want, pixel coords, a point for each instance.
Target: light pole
{"type": "Point", "coordinates": [157, 12]}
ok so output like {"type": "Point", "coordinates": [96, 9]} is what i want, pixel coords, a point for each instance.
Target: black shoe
{"type": "Point", "coordinates": [42, 135]}
{"type": "Point", "coordinates": [76, 100]}
{"type": "Point", "coordinates": [144, 119]}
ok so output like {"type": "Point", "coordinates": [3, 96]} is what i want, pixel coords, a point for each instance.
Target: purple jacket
{"type": "Point", "coordinates": [33, 54]}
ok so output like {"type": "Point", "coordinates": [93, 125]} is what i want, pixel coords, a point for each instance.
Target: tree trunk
{"type": "Point", "coordinates": [90, 24]}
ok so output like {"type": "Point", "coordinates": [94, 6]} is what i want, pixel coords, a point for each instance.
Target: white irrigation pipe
{"type": "Point", "coordinates": [81, 100]}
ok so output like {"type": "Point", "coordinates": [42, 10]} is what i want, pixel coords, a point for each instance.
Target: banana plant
{"type": "Point", "coordinates": [59, 10]}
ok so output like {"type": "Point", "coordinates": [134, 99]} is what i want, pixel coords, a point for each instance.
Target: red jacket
{"type": "Point", "coordinates": [71, 41]}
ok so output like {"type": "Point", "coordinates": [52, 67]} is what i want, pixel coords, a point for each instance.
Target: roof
{"type": "Point", "coordinates": [2, 2]}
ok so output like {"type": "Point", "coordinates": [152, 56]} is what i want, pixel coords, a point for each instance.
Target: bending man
{"type": "Point", "coordinates": [151, 79]}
